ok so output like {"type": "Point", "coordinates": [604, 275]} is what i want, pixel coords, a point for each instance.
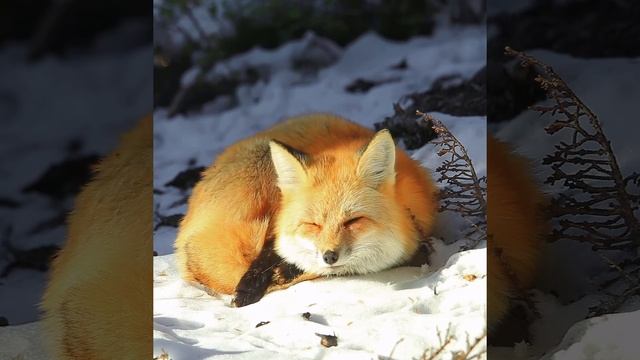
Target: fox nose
{"type": "Point", "coordinates": [330, 257]}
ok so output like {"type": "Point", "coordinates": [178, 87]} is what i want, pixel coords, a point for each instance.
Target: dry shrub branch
{"type": "Point", "coordinates": [465, 192]}
{"type": "Point", "coordinates": [588, 166]}
{"type": "Point", "coordinates": [599, 203]}
{"type": "Point", "coordinates": [472, 350]}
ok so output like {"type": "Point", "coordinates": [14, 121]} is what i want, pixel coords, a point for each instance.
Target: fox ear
{"type": "Point", "coordinates": [288, 163]}
{"type": "Point", "coordinates": [378, 160]}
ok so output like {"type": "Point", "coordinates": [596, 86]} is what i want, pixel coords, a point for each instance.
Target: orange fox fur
{"type": "Point", "coordinates": [353, 193]}
{"type": "Point", "coordinates": [98, 302]}
{"type": "Point", "coordinates": [515, 227]}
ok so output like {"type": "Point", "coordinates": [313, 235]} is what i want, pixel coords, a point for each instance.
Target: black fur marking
{"type": "Point", "coordinates": [254, 283]}
{"type": "Point", "coordinates": [287, 272]}
{"type": "Point", "coordinates": [267, 269]}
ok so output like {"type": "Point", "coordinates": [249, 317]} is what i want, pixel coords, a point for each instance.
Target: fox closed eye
{"type": "Point", "coordinates": [310, 226]}
{"type": "Point", "coordinates": [353, 222]}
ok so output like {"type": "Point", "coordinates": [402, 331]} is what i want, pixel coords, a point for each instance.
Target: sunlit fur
{"type": "Point", "coordinates": [515, 226]}
{"type": "Point", "coordinates": [241, 202]}
{"type": "Point", "coordinates": [98, 302]}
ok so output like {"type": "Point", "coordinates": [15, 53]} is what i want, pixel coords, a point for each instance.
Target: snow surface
{"type": "Point", "coordinates": [608, 337]}
{"type": "Point", "coordinates": [609, 86]}
{"type": "Point", "coordinates": [22, 342]}
{"type": "Point", "coordinates": [400, 313]}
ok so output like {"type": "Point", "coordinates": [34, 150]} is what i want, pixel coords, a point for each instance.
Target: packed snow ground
{"type": "Point", "coordinates": [571, 270]}
{"type": "Point", "coordinates": [399, 313]}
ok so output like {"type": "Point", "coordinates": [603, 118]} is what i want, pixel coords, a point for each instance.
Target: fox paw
{"type": "Point", "coordinates": [252, 287]}
{"type": "Point", "coordinates": [246, 296]}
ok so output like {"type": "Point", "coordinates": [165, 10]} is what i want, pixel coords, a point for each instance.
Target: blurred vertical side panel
{"type": "Point", "coordinates": [76, 91]}
{"type": "Point", "coordinates": [564, 271]}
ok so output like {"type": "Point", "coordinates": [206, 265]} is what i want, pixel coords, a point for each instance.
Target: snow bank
{"type": "Point", "coordinates": [607, 337]}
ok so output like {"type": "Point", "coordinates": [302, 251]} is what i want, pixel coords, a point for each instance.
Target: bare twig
{"type": "Point", "coordinates": [466, 355]}
{"type": "Point", "coordinates": [444, 342]}
{"type": "Point", "coordinates": [587, 164]}
{"type": "Point", "coordinates": [600, 209]}
{"type": "Point", "coordinates": [163, 356]}
{"type": "Point", "coordinates": [465, 192]}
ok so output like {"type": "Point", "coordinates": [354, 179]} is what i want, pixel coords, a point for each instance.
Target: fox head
{"type": "Point", "coordinates": [338, 212]}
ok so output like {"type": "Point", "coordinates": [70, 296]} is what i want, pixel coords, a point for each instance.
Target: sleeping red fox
{"type": "Point", "coordinates": [98, 303]}
{"type": "Point", "coordinates": [328, 196]}
{"type": "Point", "coordinates": [515, 228]}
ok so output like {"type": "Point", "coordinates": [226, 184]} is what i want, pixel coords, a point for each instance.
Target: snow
{"type": "Point", "coordinates": [280, 59]}
{"type": "Point", "coordinates": [610, 337]}
{"type": "Point", "coordinates": [399, 313]}
{"type": "Point", "coordinates": [570, 271]}
{"type": "Point", "coordinates": [22, 342]}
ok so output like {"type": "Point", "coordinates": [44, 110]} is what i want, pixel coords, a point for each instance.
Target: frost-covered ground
{"type": "Point", "coordinates": [399, 313]}
{"type": "Point", "coordinates": [567, 287]}
{"type": "Point", "coordinates": [92, 97]}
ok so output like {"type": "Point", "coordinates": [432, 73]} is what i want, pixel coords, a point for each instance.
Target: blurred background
{"type": "Point", "coordinates": [594, 46]}
{"type": "Point", "coordinates": [198, 34]}
{"type": "Point", "coordinates": [74, 75]}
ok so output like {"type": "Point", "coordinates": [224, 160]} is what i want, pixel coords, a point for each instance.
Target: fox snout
{"type": "Point", "coordinates": [330, 257]}
{"type": "Point", "coordinates": [334, 256]}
